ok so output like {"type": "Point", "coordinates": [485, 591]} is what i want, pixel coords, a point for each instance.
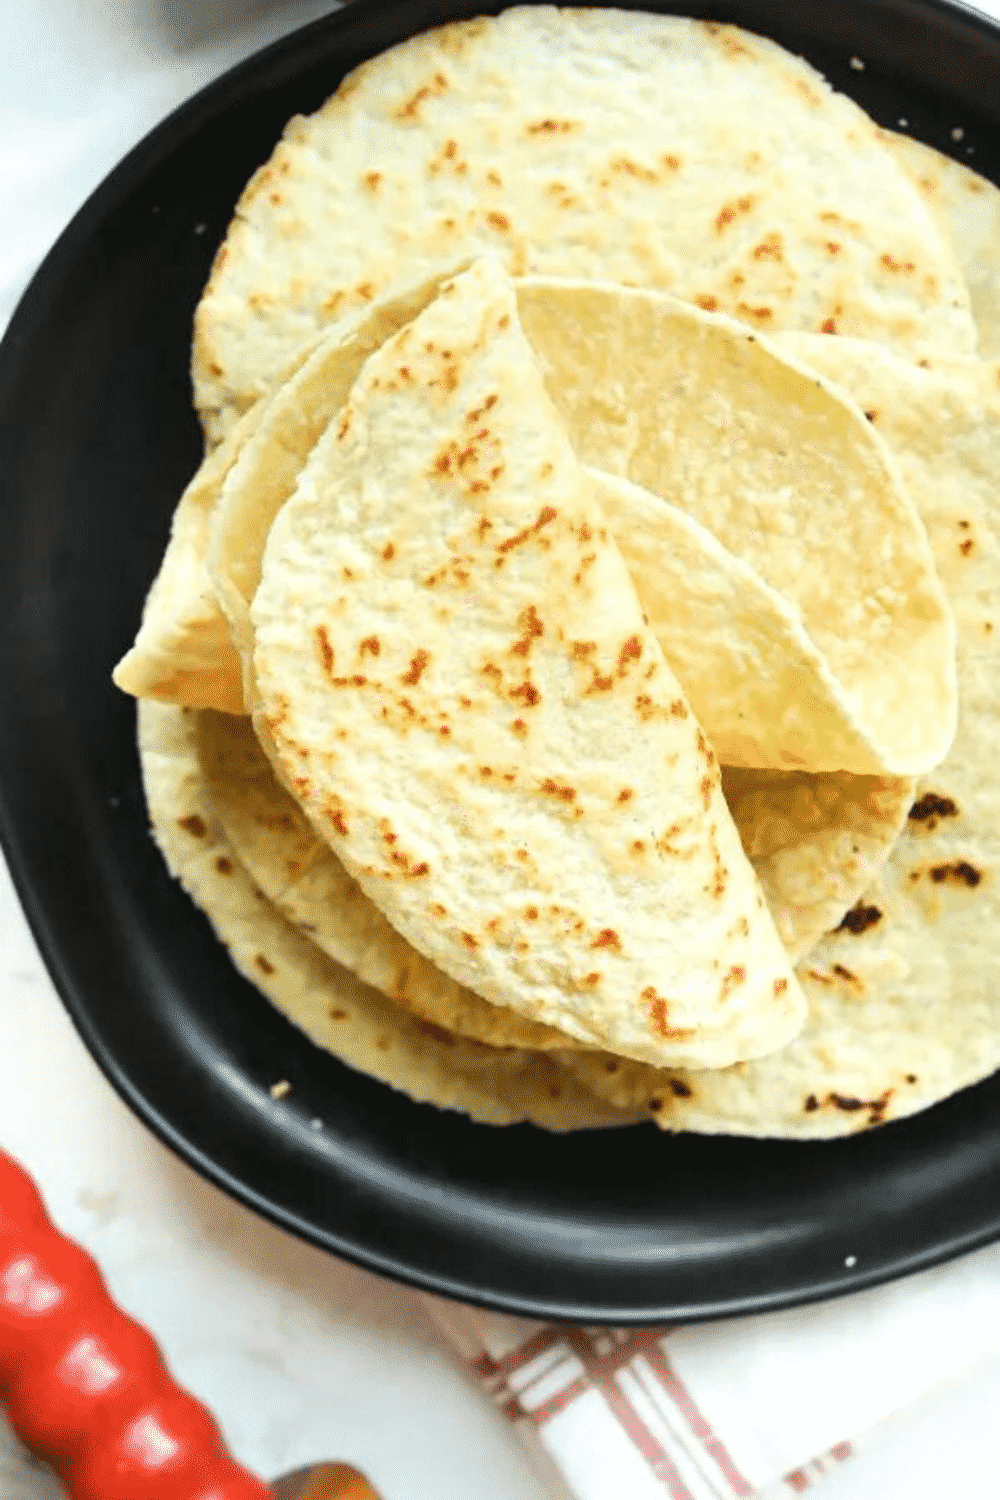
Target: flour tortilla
{"type": "Point", "coordinates": [764, 693]}
{"type": "Point", "coordinates": [816, 842]}
{"type": "Point", "coordinates": [183, 652]}
{"type": "Point", "coordinates": [642, 149]}
{"type": "Point", "coordinates": [269, 464]}
{"type": "Point", "coordinates": [966, 207]}
{"type": "Point", "coordinates": [301, 875]}
{"type": "Point", "coordinates": [904, 997]}
{"type": "Point", "coordinates": [527, 797]}
{"type": "Point", "coordinates": [335, 1011]}
{"type": "Point", "coordinates": [789, 476]}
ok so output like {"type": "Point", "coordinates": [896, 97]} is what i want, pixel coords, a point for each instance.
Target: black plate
{"type": "Point", "coordinates": [96, 440]}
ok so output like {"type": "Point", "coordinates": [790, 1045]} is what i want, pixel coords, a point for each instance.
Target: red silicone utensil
{"type": "Point", "coordinates": [87, 1390]}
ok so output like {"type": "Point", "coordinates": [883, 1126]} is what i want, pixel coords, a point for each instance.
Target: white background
{"type": "Point", "coordinates": [299, 1356]}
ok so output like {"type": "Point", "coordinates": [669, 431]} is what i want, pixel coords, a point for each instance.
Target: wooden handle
{"type": "Point", "coordinates": [325, 1482]}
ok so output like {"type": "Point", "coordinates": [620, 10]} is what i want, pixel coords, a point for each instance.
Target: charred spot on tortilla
{"type": "Point", "coordinates": [958, 873]}
{"type": "Point", "coordinates": [860, 917]}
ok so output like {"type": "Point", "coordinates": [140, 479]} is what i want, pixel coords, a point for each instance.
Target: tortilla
{"type": "Point", "coordinates": [904, 997]}
{"type": "Point", "coordinates": [816, 842]}
{"type": "Point", "coordinates": [527, 798]}
{"type": "Point", "coordinates": [335, 1011]}
{"type": "Point", "coordinates": [967, 210]}
{"type": "Point", "coordinates": [183, 652]}
{"type": "Point", "coordinates": [264, 476]}
{"type": "Point", "coordinates": [790, 477]}
{"type": "Point", "coordinates": [761, 689]}
{"type": "Point", "coordinates": [304, 879]}
{"type": "Point", "coordinates": [643, 149]}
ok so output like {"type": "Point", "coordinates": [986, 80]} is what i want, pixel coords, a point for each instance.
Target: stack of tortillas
{"type": "Point", "coordinates": [550, 688]}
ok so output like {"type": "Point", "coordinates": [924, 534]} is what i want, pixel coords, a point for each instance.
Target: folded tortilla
{"type": "Point", "coordinates": [341, 1015]}
{"type": "Point", "coordinates": [459, 687]}
{"type": "Point", "coordinates": [297, 871]}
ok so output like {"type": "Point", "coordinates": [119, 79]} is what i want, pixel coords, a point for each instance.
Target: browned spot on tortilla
{"type": "Point", "coordinates": [388, 552]}
{"type": "Point", "coordinates": [833, 247]}
{"type": "Point", "coordinates": [678, 709]}
{"type": "Point", "coordinates": [531, 913]}
{"type": "Point", "coordinates": [630, 651]}
{"type": "Point", "coordinates": [325, 649]}
{"type": "Point", "coordinates": [340, 823]}
{"type": "Point", "coordinates": [469, 940]}
{"type": "Point", "coordinates": [890, 263]}
{"type": "Point", "coordinates": [551, 127]}
{"type": "Point", "coordinates": [732, 211]}
{"type": "Point", "coordinates": [872, 416]}
{"type": "Point", "coordinates": [930, 806]}
{"type": "Point", "coordinates": [626, 794]}
{"type": "Point", "coordinates": [811, 1103]}
{"type": "Point", "coordinates": [580, 650]}
{"type": "Point", "coordinates": [592, 980]}
{"type": "Point", "coordinates": [224, 865]}
{"type": "Point", "coordinates": [372, 180]}
{"type": "Point", "coordinates": [828, 325]}
{"type": "Point", "coordinates": [911, 1077]}
{"type": "Point", "coordinates": [780, 985]}
{"type": "Point", "coordinates": [654, 1106]}
{"type": "Point", "coordinates": [418, 664]}
{"type": "Point", "coordinates": [264, 965]}
{"type": "Point", "coordinates": [545, 516]}
{"type": "Point", "coordinates": [527, 693]}
{"type": "Point", "coordinates": [194, 825]}
{"type": "Point", "coordinates": [632, 168]}
{"type": "Point", "coordinates": [958, 873]}
{"type": "Point", "coordinates": [731, 980]}
{"type": "Point", "coordinates": [585, 563]}
{"type": "Point", "coordinates": [607, 938]}
{"type": "Point", "coordinates": [520, 728]}
{"type": "Point", "coordinates": [553, 789]}
{"type": "Point", "coordinates": [411, 109]}
{"type": "Point", "coordinates": [770, 248]}
{"type": "Point", "coordinates": [671, 161]}
{"type": "Point", "coordinates": [707, 302]}
{"type": "Point", "coordinates": [680, 1089]}
{"type": "Point", "coordinates": [531, 629]}
{"type": "Point", "coordinates": [847, 975]}
{"type": "Point", "coordinates": [499, 222]}
{"type": "Point", "coordinates": [658, 1009]}
{"type": "Point", "coordinates": [758, 314]}
{"type": "Point", "coordinates": [599, 684]}
{"type": "Point", "coordinates": [337, 1015]}
{"type": "Point", "coordinates": [966, 547]}
{"type": "Point", "coordinates": [638, 846]}
{"type": "Point", "coordinates": [860, 917]}
{"type": "Point", "coordinates": [707, 788]}
{"type": "Point", "coordinates": [345, 423]}
{"type": "Point", "coordinates": [371, 644]}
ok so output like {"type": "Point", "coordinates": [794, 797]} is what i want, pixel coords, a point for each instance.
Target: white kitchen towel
{"type": "Point", "coordinates": [760, 1406]}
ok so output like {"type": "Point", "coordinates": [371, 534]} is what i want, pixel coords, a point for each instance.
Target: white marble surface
{"type": "Point", "coordinates": [299, 1355]}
